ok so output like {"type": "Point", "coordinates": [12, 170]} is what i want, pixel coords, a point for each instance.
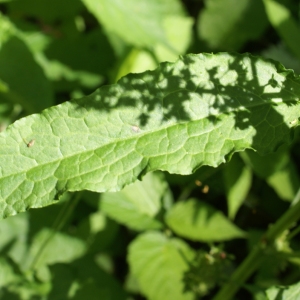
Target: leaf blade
{"type": "Point", "coordinates": [152, 253]}
{"type": "Point", "coordinates": [198, 221]}
{"type": "Point", "coordinates": [183, 115]}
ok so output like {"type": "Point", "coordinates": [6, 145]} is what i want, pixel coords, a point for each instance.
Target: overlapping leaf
{"type": "Point", "coordinates": [199, 221]}
{"type": "Point", "coordinates": [136, 205]}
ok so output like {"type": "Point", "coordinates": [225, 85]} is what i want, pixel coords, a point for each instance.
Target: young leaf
{"type": "Point", "coordinates": [136, 205]}
{"type": "Point", "coordinates": [159, 264]}
{"type": "Point", "coordinates": [196, 111]}
{"type": "Point", "coordinates": [199, 221]}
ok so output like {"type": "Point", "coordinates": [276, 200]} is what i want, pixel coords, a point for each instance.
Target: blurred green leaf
{"type": "Point", "coordinates": [49, 247]}
{"type": "Point", "coordinates": [285, 181]}
{"type": "Point", "coordinates": [237, 179]}
{"type": "Point", "coordinates": [90, 276]}
{"type": "Point", "coordinates": [159, 263]}
{"type": "Point", "coordinates": [138, 22]}
{"type": "Point", "coordinates": [83, 279]}
{"type": "Point", "coordinates": [137, 204]}
{"type": "Point", "coordinates": [265, 166]}
{"type": "Point", "coordinates": [291, 292]}
{"type": "Point", "coordinates": [136, 61]}
{"type": "Point", "coordinates": [178, 30]}
{"type": "Point", "coordinates": [14, 239]}
{"type": "Point", "coordinates": [97, 231]}
{"type": "Point", "coordinates": [229, 24]}
{"type": "Point", "coordinates": [25, 79]}
{"type": "Point", "coordinates": [96, 54]}
{"type": "Point", "coordinates": [281, 53]}
{"type": "Point", "coordinates": [282, 20]}
{"type": "Point", "coordinates": [198, 221]}
{"type": "Point", "coordinates": [64, 77]}
{"type": "Point", "coordinates": [179, 33]}
{"type": "Point", "coordinates": [279, 171]}
{"type": "Point", "coordinates": [7, 273]}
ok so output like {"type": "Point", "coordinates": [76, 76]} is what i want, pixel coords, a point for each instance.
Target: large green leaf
{"type": "Point", "coordinates": [159, 264]}
{"type": "Point", "coordinates": [199, 221]}
{"type": "Point", "coordinates": [183, 115]}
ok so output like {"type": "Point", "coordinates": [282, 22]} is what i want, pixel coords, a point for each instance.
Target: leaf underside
{"type": "Point", "coordinates": [196, 111]}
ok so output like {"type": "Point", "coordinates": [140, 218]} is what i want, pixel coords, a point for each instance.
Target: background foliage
{"type": "Point", "coordinates": [169, 236]}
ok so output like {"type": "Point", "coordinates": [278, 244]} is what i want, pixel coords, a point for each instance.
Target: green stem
{"type": "Point", "coordinates": [256, 256]}
{"type": "Point", "coordinates": [58, 224]}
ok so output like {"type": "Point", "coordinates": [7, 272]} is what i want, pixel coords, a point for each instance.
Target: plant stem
{"type": "Point", "coordinates": [256, 256]}
{"type": "Point", "coordinates": [58, 224]}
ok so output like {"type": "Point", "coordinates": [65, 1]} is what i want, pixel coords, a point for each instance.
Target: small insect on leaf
{"type": "Point", "coordinates": [135, 128]}
{"type": "Point", "coordinates": [294, 122]}
{"type": "Point", "coordinates": [31, 143]}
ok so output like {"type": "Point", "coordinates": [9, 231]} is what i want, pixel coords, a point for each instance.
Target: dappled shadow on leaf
{"type": "Point", "coordinates": [194, 112]}
{"type": "Point", "coordinates": [242, 100]}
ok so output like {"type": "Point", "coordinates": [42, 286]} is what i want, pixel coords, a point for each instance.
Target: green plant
{"type": "Point", "coordinates": [212, 137]}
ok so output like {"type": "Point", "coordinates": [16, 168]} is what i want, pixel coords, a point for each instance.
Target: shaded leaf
{"type": "Point", "coordinates": [49, 247]}
{"type": "Point", "coordinates": [237, 179]}
{"type": "Point", "coordinates": [89, 275]}
{"type": "Point", "coordinates": [98, 231]}
{"type": "Point", "coordinates": [96, 55]}
{"type": "Point", "coordinates": [49, 11]}
{"type": "Point", "coordinates": [223, 27]}
{"type": "Point", "coordinates": [27, 83]}
{"type": "Point", "coordinates": [282, 20]}
{"type": "Point", "coordinates": [278, 169]}
{"type": "Point", "coordinates": [281, 53]}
